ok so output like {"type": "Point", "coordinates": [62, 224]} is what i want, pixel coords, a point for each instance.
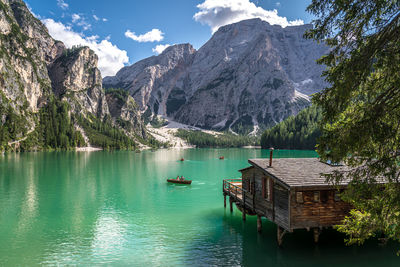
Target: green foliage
{"type": "Point", "coordinates": [72, 51]}
{"type": "Point", "coordinates": [201, 139]}
{"type": "Point", "coordinates": [56, 130]}
{"type": "Point", "coordinates": [117, 93]}
{"type": "Point", "coordinates": [12, 126]}
{"type": "Point", "coordinates": [361, 111]}
{"type": "Point", "coordinates": [103, 134]}
{"type": "Point", "coordinates": [157, 122]}
{"type": "Point", "coordinates": [296, 132]}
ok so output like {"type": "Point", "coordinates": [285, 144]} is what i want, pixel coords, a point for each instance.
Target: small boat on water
{"type": "Point", "coordinates": [222, 157]}
{"type": "Point", "coordinates": [182, 159]}
{"type": "Point", "coordinates": [179, 181]}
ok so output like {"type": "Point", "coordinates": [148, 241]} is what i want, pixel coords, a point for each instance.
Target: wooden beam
{"type": "Point", "coordinates": [230, 204]}
{"type": "Point", "coordinates": [317, 232]}
{"type": "Point", "coordinates": [224, 200]}
{"type": "Point", "coordinates": [280, 232]}
{"type": "Point", "coordinates": [259, 223]}
{"type": "Point", "coordinates": [244, 214]}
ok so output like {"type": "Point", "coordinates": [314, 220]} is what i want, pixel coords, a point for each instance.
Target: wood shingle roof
{"type": "Point", "coordinates": [298, 172]}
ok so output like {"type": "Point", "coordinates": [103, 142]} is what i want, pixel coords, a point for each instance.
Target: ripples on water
{"type": "Point", "coordinates": [115, 208]}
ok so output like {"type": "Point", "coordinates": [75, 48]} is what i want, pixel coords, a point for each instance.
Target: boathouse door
{"type": "Point", "coordinates": [281, 206]}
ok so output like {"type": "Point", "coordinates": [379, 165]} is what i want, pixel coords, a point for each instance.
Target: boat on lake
{"type": "Point", "coordinates": [222, 157]}
{"type": "Point", "coordinates": [179, 181]}
{"type": "Point", "coordinates": [182, 159]}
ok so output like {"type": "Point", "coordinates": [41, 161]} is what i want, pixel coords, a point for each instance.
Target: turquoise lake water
{"type": "Point", "coordinates": [115, 208]}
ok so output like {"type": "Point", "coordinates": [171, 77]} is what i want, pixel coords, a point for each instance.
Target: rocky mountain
{"type": "Point", "coordinates": [249, 75]}
{"type": "Point", "coordinates": [150, 81]}
{"type": "Point", "coordinates": [50, 95]}
{"type": "Point", "coordinates": [76, 79]}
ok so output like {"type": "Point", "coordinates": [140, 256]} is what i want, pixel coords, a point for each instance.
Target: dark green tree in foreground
{"type": "Point", "coordinates": [361, 109]}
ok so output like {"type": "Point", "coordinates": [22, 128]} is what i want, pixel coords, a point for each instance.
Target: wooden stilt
{"type": "Point", "coordinates": [317, 232]}
{"type": "Point", "coordinates": [230, 204]}
{"type": "Point", "coordinates": [244, 214]}
{"type": "Point", "coordinates": [259, 224]}
{"type": "Point", "coordinates": [224, 201]}
{"type": "Point", "coordinates": [280, 233]}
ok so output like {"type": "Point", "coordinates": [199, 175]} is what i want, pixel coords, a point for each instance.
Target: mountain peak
{"type": "Point", "coordinates": [250, 74]}
{"type": "Point", "coordinates": [185, 48]}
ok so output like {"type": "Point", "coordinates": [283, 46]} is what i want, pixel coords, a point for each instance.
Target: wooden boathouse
{"type": "Point", "coordinates": [291, 192]}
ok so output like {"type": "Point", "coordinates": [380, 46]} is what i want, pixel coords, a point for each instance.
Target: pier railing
{"type": "Point", "coordinates": [233, 188]}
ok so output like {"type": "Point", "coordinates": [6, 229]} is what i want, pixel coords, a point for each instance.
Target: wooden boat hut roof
{"type": "Point", "coordinates": [302, 173]}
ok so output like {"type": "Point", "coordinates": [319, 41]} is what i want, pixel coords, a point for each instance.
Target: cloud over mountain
{"type": "Point", "coordinates": [160, 48]}
{"type": "Point", "coordinates": [217, 13]}
{"type": "Point", "coordinates": [111, 58]}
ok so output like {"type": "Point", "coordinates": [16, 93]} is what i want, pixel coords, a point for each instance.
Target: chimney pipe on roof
{"type": "Point", "coordinates": [271, 151]}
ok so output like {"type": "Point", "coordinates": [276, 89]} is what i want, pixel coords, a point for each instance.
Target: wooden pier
{"type": "Point", "coordinates": [292, 193]}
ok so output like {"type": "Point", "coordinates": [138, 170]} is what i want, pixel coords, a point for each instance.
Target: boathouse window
{"type": "Point", "coordinates": [324, 196]}
{"type": "Point", "coordinates": [316, 196]}
{"type": "Point", "coordinates": [299, 197]}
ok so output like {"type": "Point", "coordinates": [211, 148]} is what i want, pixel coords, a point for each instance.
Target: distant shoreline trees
{"type": "Point", "coordinates": [295, 132]}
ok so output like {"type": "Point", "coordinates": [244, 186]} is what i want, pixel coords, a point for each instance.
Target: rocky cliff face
{"type": "Point", "coordinates": [125, 112]}
{"type": "Point", "coordinates": [248, 75]}
{"type": "Point", "coordinates": [24, 53]}
{"type": "Point", "coordinates": [35, 68]}
{"type": "Point", "coordinates": [151, 81]}
{"type": "Point", "coordinates": [76, 79]}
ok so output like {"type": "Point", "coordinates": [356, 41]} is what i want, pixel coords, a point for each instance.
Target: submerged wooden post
{"type": "Point", "coordinates": [230, 204]}
{"type": "Point", "coordinates": [279, 235]}
{"type": "Point", "coordinates": [224, 201]}
{"type": "Point", "coordinates": [317, 232]}
{"type": "Point", "coordinates": [244, 214]}
{"type": "Point", "coordinates": [259, 224]}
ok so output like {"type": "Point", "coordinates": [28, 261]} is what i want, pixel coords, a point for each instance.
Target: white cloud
{"type": "Point", "coordinates": [75, 18]}
{"type": "Point", "coordinates": [155, 35]}
{"type": "Point", "coordinates": [111, 58]}
{"type": "Point", "coordinates": [62, 4]}
{"type": "Point", "coordinates": [96, 18]}
{"type": "Point", "coordinates": [81, 21]}
{"type": "Point", "coordinates": [160, 48]}
{"type": "Point", "coordinates": [217, 13]}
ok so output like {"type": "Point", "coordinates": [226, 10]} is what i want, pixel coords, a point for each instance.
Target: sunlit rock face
{"type": "Point", "coordinates": [248, 74]}
{"type": "Point", "coordinates": [76, 78]}
{"type": "Point", "coordinates": [126, 110]}
{"type": "Point", "coordinates": [34, 68]}
{"type": "Point", "coordinates": [152, 80]}
{"type": "Point", "coordinates": [25, 50]}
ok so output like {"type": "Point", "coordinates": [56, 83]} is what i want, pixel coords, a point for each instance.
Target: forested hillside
{"type": "Point", "coordinates": [296, 132]}
{"type": "Point", "coordinates": [202, 139]}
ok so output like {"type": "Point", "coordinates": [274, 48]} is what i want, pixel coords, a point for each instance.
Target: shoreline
{"type": "Point", "coordinates": [88, 149]}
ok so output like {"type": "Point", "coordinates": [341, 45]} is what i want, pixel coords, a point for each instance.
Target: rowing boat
{"type": "Point", "coordinates": [178, 181]}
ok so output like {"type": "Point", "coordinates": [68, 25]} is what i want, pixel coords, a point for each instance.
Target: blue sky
{"type": "Point", "coordinates": [122, 32]}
